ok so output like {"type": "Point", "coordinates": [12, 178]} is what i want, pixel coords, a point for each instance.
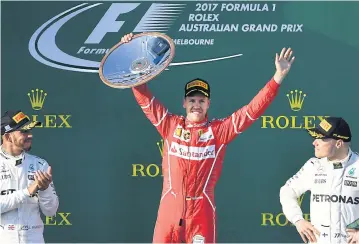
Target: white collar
{"type": "Point", "coordinates": [8, 156]}
{"type": "Point", "coordinates": [344, 160]}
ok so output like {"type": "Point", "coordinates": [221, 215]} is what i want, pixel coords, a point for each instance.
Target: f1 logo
{"type": "Point", "coordinates": [108, 23]}
{"type": "Point", "coordinates": [152, 20]}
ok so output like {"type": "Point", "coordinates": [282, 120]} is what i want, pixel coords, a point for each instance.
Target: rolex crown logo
{"type": "Point", "coordinates": [37, 98]}
{"type": "Point", "coordinates": [160, 146]}
{"type": "Point", "coordinates": [296, 99]}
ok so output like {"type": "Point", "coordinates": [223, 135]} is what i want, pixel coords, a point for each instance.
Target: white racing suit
{"type": "Point", "coordinates": [334, 201]}
{"type": "Point", "coordinates": [20, 213]}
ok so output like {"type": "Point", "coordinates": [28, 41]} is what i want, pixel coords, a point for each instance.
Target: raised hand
{"type": "Point", "coordinates": [283, 63]}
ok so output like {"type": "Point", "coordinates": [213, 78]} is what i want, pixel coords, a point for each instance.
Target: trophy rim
{"type": "Point", "coordinates": [165, 65]}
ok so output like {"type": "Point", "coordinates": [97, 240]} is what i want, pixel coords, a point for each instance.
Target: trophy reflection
{"type": "Point", "coordinates": [146, 56]}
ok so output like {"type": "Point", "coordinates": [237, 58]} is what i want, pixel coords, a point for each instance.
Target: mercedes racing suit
{"type": "Point", "coordinates": [20, 216]}
{"type": "Point", "coordinates": [334, 201]}
{"type": "Point", "coordinates": [193, 154]}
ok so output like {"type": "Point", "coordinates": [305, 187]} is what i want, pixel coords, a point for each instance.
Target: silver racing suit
{"type": "Point", "coordinates": [334, 201]}
{"type": "Point", "coordinates": [20, 213]}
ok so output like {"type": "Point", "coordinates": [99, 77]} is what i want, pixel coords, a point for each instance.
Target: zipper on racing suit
{"type": "Point", "coordinates": [185, 176]}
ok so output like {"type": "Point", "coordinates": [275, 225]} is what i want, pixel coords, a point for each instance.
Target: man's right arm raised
{"type": "Point", "coordinates": [153, 109]}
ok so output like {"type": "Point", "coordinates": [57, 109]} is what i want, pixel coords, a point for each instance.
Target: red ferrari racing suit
{"type": "Point", "coordinates": [192, 162]}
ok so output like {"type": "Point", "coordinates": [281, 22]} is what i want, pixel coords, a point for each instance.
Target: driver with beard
{"type": "Point", "coordinates": [26, 184]}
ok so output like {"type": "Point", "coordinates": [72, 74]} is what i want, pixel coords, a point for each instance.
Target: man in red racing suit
{"type": "Point", "coordinates": [193, 155]}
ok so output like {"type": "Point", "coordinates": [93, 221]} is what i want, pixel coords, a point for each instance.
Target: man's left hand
{"type": "Point", "coordinates": [283, 63]}
{"type": "Point", "coordinates": [43, 179]}
{"type": "Point", "coordinates": [353, 236]}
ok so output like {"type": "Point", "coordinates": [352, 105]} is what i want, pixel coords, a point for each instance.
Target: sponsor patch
{"type": "Point", "coordinates": [320, 181]}
{"type": "Point", "coordinates": [192, 153]}
{"type": "Point", "coordinates": [178, 132]}
{"type": "Point", "coordinates": [10, 227]}
{"type": "Point", "coordinates": [186, 135]}
{"type": "Point", "coordinates": [183, 135]}
{"type": "Point", "coordinates": [335, 198]}
{"type": "Point", "coordinates": [18, 117]}
{"type": "Point", "coordinates": [338, 166]}
{"type": "Point", "coordinates": [5, 176]}
{"type": "Point", "coordinates": [206, 136]}
{"type": "Point", "coordinates": [198, 239]}
{"type": "Point", "coordinates": [325, 125]}
{"type": "Point", "coordinates": [197, 83]}
{"type": "Point", "coordinates": [350, 183]}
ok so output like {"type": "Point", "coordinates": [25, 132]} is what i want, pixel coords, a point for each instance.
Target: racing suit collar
{"type": "Point", "coordinates": [17, 159]}
{"type": "Point", "coordinates": [190, 124]}
{"type": "Point", "coordinates": [343, 161]}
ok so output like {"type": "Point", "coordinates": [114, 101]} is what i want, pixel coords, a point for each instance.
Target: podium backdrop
{"type": "Point", "coordinates": [104, 152]}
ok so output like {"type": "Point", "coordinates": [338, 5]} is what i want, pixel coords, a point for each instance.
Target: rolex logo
{"type": "Point", "coordinates": [160, 146]}
{"type": "Point", "coordinates": [296, 99]}
{"type": "Point", "coordinates": [279, 219]}
{"type": "Point", "coordinates": [151, 170]}
{"type": "Point", "coordinates": [37, 98]}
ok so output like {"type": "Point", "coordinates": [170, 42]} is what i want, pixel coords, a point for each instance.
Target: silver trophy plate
{"type": "Point", "coordinates": [138, 61]}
